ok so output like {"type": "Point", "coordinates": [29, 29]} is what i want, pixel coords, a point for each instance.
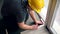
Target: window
{"type": "Point", "coordinates": [54, 17]}
{"type": "Point", "coordinates": [56, 21]}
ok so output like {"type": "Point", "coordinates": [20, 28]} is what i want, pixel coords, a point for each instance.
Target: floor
{"type": "Point", "coordinates": [41, 30]}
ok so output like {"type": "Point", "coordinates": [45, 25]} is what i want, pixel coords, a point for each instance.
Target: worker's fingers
{"type": "Point", "coordinates": [34, 27]}
{"type": "Point", "coordinates": [39, 22]}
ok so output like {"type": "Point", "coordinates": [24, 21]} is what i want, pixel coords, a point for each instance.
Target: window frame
{"type": "Point", "coordinates": [51, 15]}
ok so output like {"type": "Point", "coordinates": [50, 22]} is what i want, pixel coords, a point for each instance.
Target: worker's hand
{"type": "Point", "coordinates": [34, 27]}
{"type": "Point", "coordinates": [39, 22]}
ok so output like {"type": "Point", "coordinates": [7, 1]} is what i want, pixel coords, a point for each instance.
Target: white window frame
{"type": "Point", "coordinates": [51, 15]}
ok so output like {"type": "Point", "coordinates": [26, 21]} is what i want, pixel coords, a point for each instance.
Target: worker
{"type": "Point", "coordinates": [15, 15]}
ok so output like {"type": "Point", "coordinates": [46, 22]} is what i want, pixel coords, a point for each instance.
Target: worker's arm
{"type": "Point", "coordinates": [31, 12]}
{"type": "Point", "coordinates": [27, 27]}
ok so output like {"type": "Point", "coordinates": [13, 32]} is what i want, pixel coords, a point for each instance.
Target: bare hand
{"type": "Point", "coordinates": [34, 27]}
